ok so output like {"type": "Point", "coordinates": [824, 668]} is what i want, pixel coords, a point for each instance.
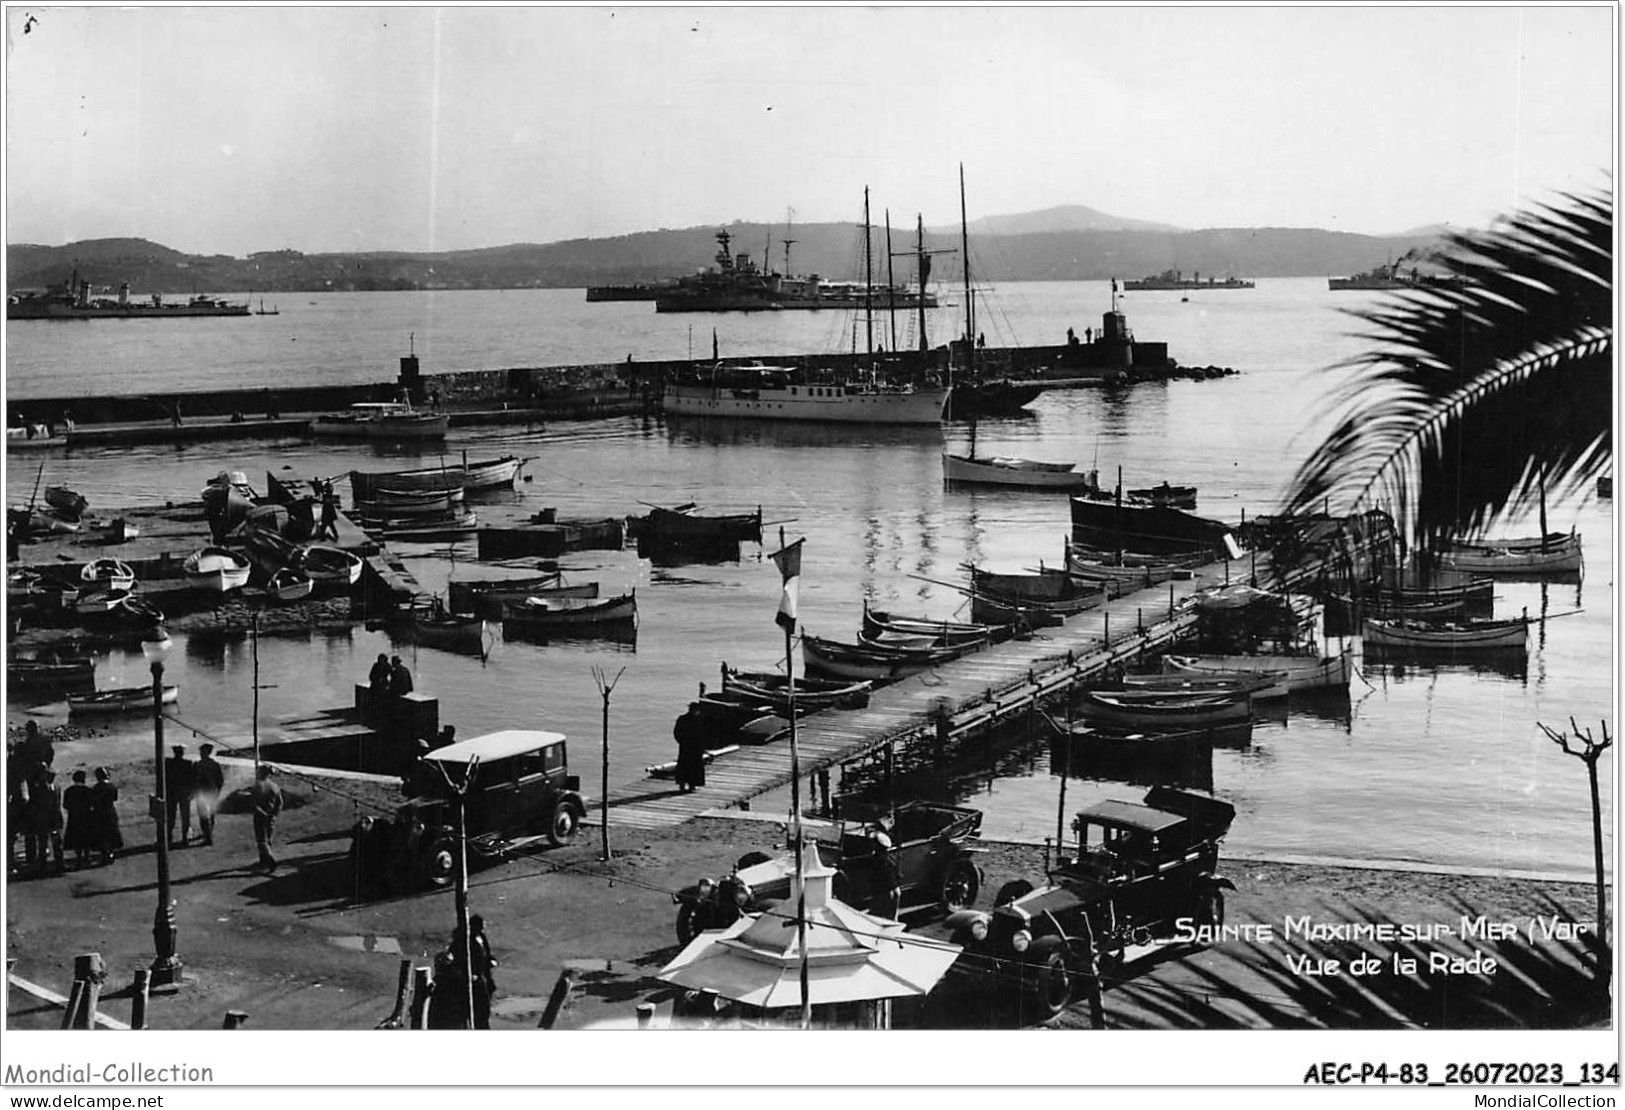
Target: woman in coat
{"type": "Point", "coordinates": [77, 801]}
{"type": "Point", "coordinates": [109, 841]}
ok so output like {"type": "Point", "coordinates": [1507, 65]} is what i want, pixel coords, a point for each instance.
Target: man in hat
{"type": "Point", "coordinates": [211, 780]}
{"type": "Point", "coordinates": [267, 797]}
{"type": "Point", "coordinates": [400, 679]}
{"type": "Point", "coordinates": [180, 783]}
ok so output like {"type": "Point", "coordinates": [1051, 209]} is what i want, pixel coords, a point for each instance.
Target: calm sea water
{"type": "Point", "coordinates": [1439, 765]}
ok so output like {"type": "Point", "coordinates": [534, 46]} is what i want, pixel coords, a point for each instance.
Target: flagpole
{"type": "Point", "coordinates": [795, 774]}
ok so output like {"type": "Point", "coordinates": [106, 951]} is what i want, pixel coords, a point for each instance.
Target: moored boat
{"type": "Point", "coordinates": [329, 568]}
{"type": "Point", "coordinates": [107, 573]}
{"type": "Point", "coordinates": [130, 699]}
{"type": "Point", "coordinates": [424, 528]}
{"type": "Point", "coordinates": [51, 675]}
{"type": "Point", "coordinates": [1126, 569]}
{"type": "Point", "coordinates": [67, 504]}
{"type": "Point", "coordinates": [773, 690]}
{"type": "Point", "coordinates": [1160, 709]}
{"type": "Point", "coordinates": [216, 569]}
{"type": "Point", "coordinates": [1108, 522]}
{"type": "Point", "coordinates": [1302, 672]}
{"type": "Point", "coordinates": [488, 596]}
{"type": "Point", "coordinates": [1488, 635]}
{"type": "Point", "coordinates": [536, 614]}
{"type": "Point", "coordinates": [391, 503]}
{"type": "Point", "coordinates": [759, 392]}
{"type": "Point", "coordinates": [683, 525]}
{"type": "Point", "coordinates": [433, 625]}
{"type": "Point", "coordinates": [1259, 685]}
{"type": "Point", "coordinates": [1000, 470]}
{"type": "Point", "coordinates": [287, 585]}
{"type": "Point", "coordinates": [473, 478]}
{"type": "Point", "coordinates": [1553, 553]}
{"type": "Point", "coordinates": [947, 633]}
{"type": "Point", "coordinates": [834, 659]}
{"type": "Point", "coordinates": [1179, 497]}
{"type": "Point", "coordinates": [389, 420]}
{"type": "Point", "coordinates": [94, 600]}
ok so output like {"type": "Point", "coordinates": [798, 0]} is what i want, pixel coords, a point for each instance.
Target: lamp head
{"type": "Point", "coordinates": [156, 645]}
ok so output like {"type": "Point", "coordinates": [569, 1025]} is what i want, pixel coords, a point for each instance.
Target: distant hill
{"type": "Point", "coordinates": [1070, 243]}
{"type": "Point", "coordinates": [1068, 217]}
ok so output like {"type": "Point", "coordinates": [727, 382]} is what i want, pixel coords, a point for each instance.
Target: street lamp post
{"type": "Point", "coordinates": [166, 965]}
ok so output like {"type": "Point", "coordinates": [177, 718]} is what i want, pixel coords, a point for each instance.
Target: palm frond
{"type": "Point", "coordinates": [1474, 396]}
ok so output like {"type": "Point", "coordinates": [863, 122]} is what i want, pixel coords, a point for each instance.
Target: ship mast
{"type": "Point", "coordinates": [970, 308]}
{"type": "Point", "coordinates": [891, 286]}
{"type": "Point", "coordinates": [868, 283]}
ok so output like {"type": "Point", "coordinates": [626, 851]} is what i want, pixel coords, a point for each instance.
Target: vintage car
{"type": "Point", "coordinates": [1137, 869]}
{"type": "Point", "coordinates": [929, 859]}
{"type": "Point", "coordinates": [519, 792]}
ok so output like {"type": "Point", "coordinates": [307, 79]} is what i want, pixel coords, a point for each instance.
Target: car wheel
{"type": "Point", "coordinates": [1054, 986]}
{"type": "Point", "coordinates": [960, 886]}
{"type": "Point", "coordinates": [562, 826]}
{"type": "Point", "coordinates": [688, 922]}
{"type": "Point", "coordinates": [751, 859]}
{"type": "Point", "coordinates": [1010, 891]}
{"type": "Point", "coordinates": [1210, 910]}
{"type": "Point", "coordinates": [440, 861]}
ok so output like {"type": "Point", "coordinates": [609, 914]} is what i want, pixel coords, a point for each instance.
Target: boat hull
{"type": "Point", "coordinates": [809, 404]}
{"type": "Point", "coordinates": [136, 699]}
{"type": "Point", "coordinates": [1301, 672]}
{"type": "Point", "coordinates": [471, 478]}
{"type": "Point", "coordinates": [1560, 554]}
{"type": "Point", "coordinates": [214, 570]}
{"type": "Point", "coordinates": [1468, 636]}
{"type": "Point", "coordinates": [1142, 526]}
{"type": "Point", "coordinates": [1019, 473]}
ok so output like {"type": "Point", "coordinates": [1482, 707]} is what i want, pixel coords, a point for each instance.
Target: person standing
{"type": "Point", "coordinates": [329, 529]}
{"type": "Point", "coordinates": [79, 838]}
{"type": "Point", "coordinates": [104, 816]}
{"type": "Point", "coordinates": [267, 797]}
{"type": "Point", "coordinates": [211, 780]}
{"type": "Point", "coordinates": [484, 964]}
{"type": "Point", "coordinates": [45, 822]}
{"type": "Point", "coordinates": [378, 677]}
{"type": "Point", "coordinates": [400, 679]}
{"type": "Point", "coordinates": [180, 783]}
{"type": "Point", "coordinates": [690, 735]}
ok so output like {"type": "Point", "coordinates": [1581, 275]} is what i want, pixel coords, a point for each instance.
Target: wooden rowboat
{"type": "Point", "coordinates": [833, 659]}
{"type": "Point", "coordinates": [330, 568]}
{"type": "Point", "coordinates": [217, 569]}
{"type": "Point", "coordinates": [536, 614]}
{"type": "Point", "coordinates": [129, 699]}
{"type": "Point", "coordinates": [1553, 553]}
{"type": "Point", "coordinates": [472, 478]}
{"type": "Point", "coordinates": [108, 573]}
{"type": "Point", "coordinates": [1487, 635]}
{"type": "Point", "coordinates": [772, 690]}
{"type": "Point", "coordinates": [1303, 672]}
{"type": "Point", "coordinates": [1155, 710]}
{"type": "Point", "coordinates": [289, 585]}
{"type": "Point", "coordinates": [488, 596]}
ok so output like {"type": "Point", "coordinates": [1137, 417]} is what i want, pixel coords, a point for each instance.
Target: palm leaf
{"type": "Point", "coordinates": [1475, 396]}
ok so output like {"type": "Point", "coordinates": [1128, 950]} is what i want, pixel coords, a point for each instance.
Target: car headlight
{"type": "Point", "coordinates": [741, 894]}
{"type": "Point", "coordinates": [978, 929]}
{"type": "Point", "coordinates": [704, 887]}
{"type": "Point", "coordinates": [1020, 940]}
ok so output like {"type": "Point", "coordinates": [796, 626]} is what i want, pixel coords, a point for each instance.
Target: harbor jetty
{"type": "Point", "coordinates": [974, 693]}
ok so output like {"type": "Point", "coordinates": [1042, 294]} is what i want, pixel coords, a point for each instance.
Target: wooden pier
{"type": "Point", "coordinates": [964, 695]}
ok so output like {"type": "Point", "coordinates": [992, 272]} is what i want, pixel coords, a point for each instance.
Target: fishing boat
{"type": "Point", "coordinates": [138, 614]}
{"type": "Point", "coordinates": [682, 525]}
{"type": "Point", "coordinates": [329, 568]}
{"type": "Point", "coordinates": [772, 690]}
{"type": "Point", "coordinates": [487, 597]}
{"type": "Point", "coordinates": [1381, 605]}
{"type": "Point", "coordinates": [947, 633]}
{"type": "Point", "coordinates": [1178, 497]}
{"type": "Point", "coordinates": [867, 661]}
{"type": "Point", "coordinates": [1127, 569]}
{"type": "Point", "coordinates": [1487, 635]}
{"type": "Point", "coordinates": [67, 504]}
{"type": "Point", "coordinates": [107, 573]}
{"type": "Point", "coordinates": [1158, 709]}
{"type": "Point", "coordinates": [1302, 672]}
{"type": "Point", "coordinates": [1040, 600]}
{"type": "Point", "coordinates": [998, 470]}
{"type": "Point", "coordinates": [433, 625]}
{"type": "Point", "coordinates": [1552, 553]}
{"type": "Point", "coordinates": [60, 675]}
{"type": "Point", "coordinates": [95, 600]}
{"type": "Point", "coordinates": [287, 585]}
{"type": "Point", "coordinates": [1476, 594]}
{"type": "Point", "coordinates": [1107, 521]}
{"type": "Point", "coordinates": [216, 570]}
{"type": "Point", "coordinates": [543, 614]}
{"type": "Point", "coordinates": [473, 478]}
{"type": "Point", "coordinates": [34, 437]}
{"type": "Point", "coordinates": [130, 699]}
{"type": "Point", "coordinates": [1258, 685]}
{"type": "Point", "coordinates": [424, 528]}
{"type": "Point", "coordinates": [388, 503]}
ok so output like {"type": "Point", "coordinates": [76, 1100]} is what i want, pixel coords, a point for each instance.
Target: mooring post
{"type": "Point", "coordinates": [646, 1013]}
{"type": "Point", "coordinates": [138, 997]}
{"type": "Point", "coordinates": [1139, 620]}
{"type": "Point", "coordinates": [421, 985]}
{"type": "Point", "coordinates": [1170, 599]}
{"type": "Point", "coordinates": [76, 999]}
{"type": "Point", "coordinates": [1108, 640]}
{"type": "Point", "coordinates": [235, 1019]}
{"type": "Point", "coordinates": [89, 970]}
{"type": "Point", "coordinates": [555, 1002]}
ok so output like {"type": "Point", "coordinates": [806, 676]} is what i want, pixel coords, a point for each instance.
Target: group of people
{"type": "Point", "coordinates": [188, 784]}
{"type": "Point", "coordinates": [389, 678]}
{"type": "Point", "coordinates": [82, 819]}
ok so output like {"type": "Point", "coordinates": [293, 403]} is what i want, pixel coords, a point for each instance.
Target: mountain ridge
{"type": "Point", "coordinates": [1070, 242]}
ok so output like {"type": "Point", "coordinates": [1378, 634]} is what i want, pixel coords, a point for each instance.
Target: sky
{"type": "Point", "coordinates": [231, 130]}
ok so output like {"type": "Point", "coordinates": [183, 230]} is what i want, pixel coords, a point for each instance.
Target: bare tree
{"type": "Point", "coordinates": [1588, 751]}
